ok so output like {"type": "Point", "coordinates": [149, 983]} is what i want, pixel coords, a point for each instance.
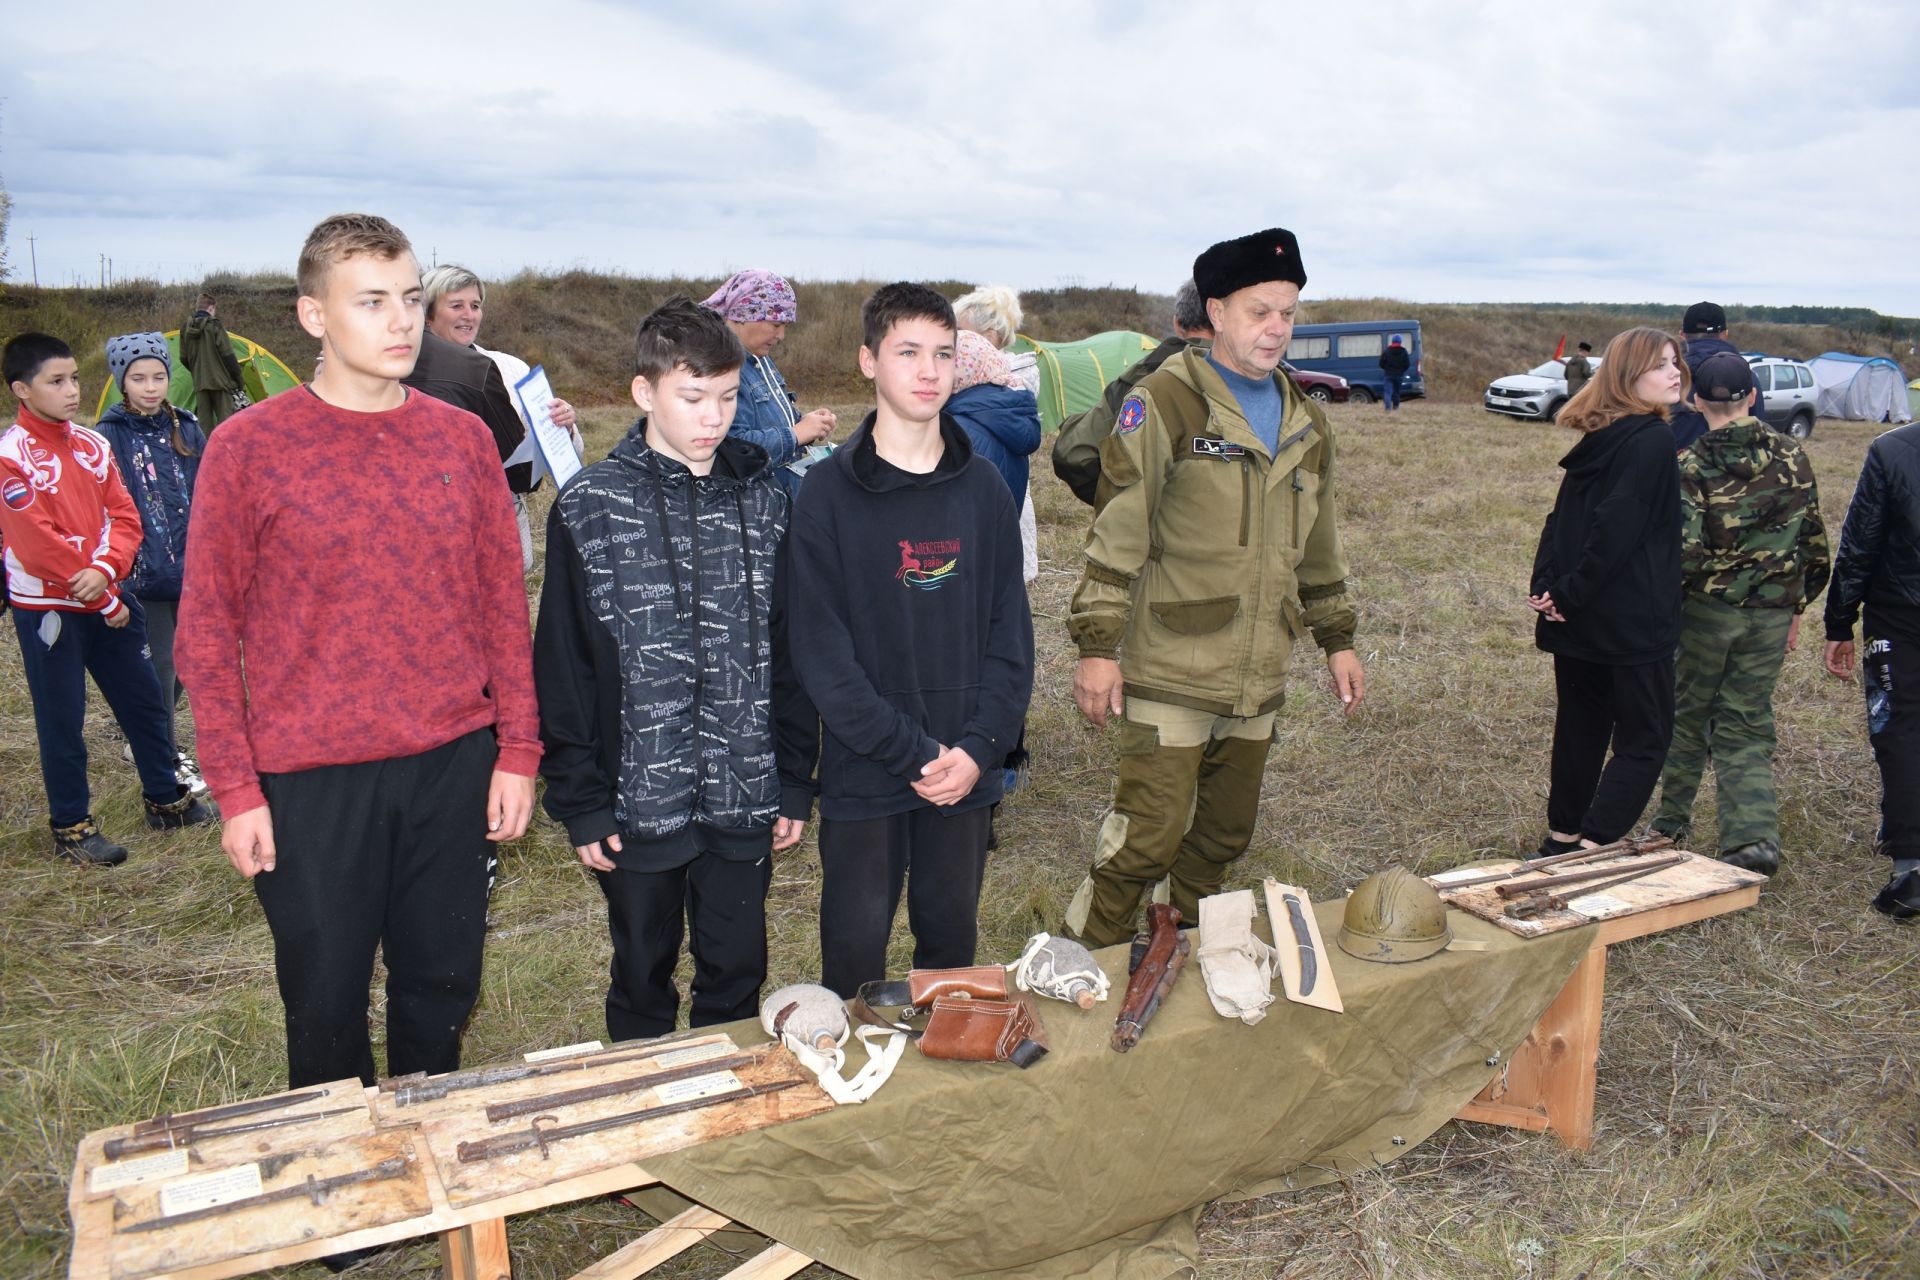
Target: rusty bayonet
{"type": "Point", "coordinates": [314, 1189]}
{"type": "Point", "coordinates": [1543, 900]}
{"type": "Point", "coordinates": [1165, 952]}
{"type": "Point", "coordinates": [539, 1137]}
{"type": "Point", "coordinates": [186, 1136]}
{"type": "Point", "coordinates": [1521, 888]}
{"type": "Point", "coordinates": [421, 1087]}
{"type": "Point", "coordinates": [231, 1111]}
{"type": "Point", "coordinates": [499, 1111]}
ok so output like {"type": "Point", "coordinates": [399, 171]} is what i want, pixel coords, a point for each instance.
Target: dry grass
{"type": "Point", "coordinates": [1758, 1106]}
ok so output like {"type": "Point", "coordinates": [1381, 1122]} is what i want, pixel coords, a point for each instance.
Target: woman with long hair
{"type": "Point", "coordinates": [1606, 586]}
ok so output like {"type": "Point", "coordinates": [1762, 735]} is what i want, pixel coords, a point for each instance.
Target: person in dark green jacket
{"type": "Point", "coordinates": [205, 349]}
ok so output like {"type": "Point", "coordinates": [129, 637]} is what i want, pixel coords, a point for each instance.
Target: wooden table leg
{"type": "Point", "coordinates": [477, 1252]}
{"type": "Point", "coordinates": [1549, 1081]}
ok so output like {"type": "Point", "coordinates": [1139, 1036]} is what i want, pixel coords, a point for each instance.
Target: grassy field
{"type": "Point", "coordinates": [1758, 1102]}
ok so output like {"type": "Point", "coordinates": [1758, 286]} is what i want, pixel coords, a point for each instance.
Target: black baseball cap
{"type": "Point", "coordinates": [1704, 317]}
{"type": "Point", "coordinates": [1722, 378]}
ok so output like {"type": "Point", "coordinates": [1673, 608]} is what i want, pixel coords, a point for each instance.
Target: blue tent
{"type": "Point", "coordinates": [1863, 388]}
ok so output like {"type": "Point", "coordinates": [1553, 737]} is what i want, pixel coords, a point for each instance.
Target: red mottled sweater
{"type": "Point", "coordinates": [353, 593]}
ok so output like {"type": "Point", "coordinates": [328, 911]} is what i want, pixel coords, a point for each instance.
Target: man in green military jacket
{"type": "Point", "coordinates": [1216, 553]}
{"type": "Point", "coordinates": [1753, 556]}
{"type": "Point", "coordinates": [207, 352]}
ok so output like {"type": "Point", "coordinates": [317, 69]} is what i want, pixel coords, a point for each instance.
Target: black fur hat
{"type": "Point", "coordinates": [1231, 265]}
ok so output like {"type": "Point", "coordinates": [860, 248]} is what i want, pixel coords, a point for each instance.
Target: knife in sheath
{"type": "Point", "coordinates": [1303, 936]}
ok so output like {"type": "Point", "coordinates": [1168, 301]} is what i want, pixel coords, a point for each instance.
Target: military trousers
{"type": "Point", "coordinates": [1184, 807]}
{"type": "Point", "coordinates": [1724, 674]}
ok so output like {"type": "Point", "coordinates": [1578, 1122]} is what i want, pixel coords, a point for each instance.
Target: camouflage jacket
{"type": "Point", "coordinates": [1751, 532]}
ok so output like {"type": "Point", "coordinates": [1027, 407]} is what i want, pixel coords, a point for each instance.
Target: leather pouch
{"type": "Point", "coordinates": [964, 1029]}
{"type": "Point", "coordinates": [984, 981]}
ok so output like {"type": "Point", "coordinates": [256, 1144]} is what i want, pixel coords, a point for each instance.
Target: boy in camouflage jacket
{"type": "Point", "coordinates": [1753, 556]}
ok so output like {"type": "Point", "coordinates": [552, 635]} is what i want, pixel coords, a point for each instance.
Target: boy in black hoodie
{"type": "Point", "coordinates": [915, 643]}
{"type": "Point", "coordinates": [659, 690]}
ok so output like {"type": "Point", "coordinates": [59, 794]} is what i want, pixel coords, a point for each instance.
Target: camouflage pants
{"type": "Point", "coordinates": [1728, 663]}
{"type": "Point", "coordinates": [1184, 808]}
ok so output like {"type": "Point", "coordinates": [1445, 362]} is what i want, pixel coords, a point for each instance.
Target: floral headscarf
{"type": "Point", "coordinates": [754, 294]}
{"type": "Point", "coordinates": [977, 361]}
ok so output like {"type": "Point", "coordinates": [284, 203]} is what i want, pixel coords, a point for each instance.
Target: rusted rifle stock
{"type": "Point", "coordinates": [1153, 977]}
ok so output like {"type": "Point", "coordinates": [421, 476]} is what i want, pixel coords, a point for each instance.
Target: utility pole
{"type": "Point", "coordinates": [34, 255]}
{"type": "Point", "coordinates": [103, 271]}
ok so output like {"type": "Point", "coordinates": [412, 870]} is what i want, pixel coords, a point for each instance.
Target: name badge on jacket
{"type": "Point", "coordinates": [1213, 447]}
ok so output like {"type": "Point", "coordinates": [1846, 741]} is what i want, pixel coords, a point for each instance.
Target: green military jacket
{"type": "Point", "coordinates": [1212, 557]}
{"type": "Point", "coordinates": [1751, 533]}
{"type": "Point", "coordinates": [1579, 369]}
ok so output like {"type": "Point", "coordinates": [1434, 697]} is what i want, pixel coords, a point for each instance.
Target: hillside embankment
{"type": "Point", "coordinates": [580, 326]}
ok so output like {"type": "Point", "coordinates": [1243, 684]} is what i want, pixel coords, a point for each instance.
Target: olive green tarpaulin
{"type": "Point", "coordinates": [1096, 1164]}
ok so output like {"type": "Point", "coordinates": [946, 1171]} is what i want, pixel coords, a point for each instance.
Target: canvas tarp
{"type": "Point", "coordinates": [1863, 388]}
{"type": "Point", "coordinates": [1097, 1164]}
{"type": "Point", "coordinates": [1073, 374]}
{"type": "Point", "coordinates": [264, 373]}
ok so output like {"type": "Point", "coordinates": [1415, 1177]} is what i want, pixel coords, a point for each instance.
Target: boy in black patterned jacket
{"type": "Point", "coordinates": [655, 662]}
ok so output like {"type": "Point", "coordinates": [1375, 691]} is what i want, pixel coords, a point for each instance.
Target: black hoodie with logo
{"type": "Point", "coordinates": [1610, 551]}
{"type": "Point", "coordinates": [909, 627]}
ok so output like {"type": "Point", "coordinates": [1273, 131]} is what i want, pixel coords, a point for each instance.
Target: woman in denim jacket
{"type": "Point", "coordinates": [758, 306]}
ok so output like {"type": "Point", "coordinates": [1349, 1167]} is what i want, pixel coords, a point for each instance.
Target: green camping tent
{"type": "Point", "coordinates": [1073, 374]}
{"type": "Point", "coordinates": [265, 374]}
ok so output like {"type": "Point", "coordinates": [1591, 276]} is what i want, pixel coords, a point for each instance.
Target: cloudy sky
{"type": "Point", "coordinates": [1761, 152]}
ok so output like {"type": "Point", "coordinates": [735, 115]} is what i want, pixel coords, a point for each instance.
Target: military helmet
{"type": "Point", "coordinates": [1394, 917]}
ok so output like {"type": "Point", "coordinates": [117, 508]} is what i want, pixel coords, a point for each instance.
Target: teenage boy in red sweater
{"type": "Point", "coordinates": [354, 635]}
{"type": "Point", "coordinates": [70, 531]}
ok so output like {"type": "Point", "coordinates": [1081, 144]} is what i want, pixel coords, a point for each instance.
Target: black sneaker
{"type": "Point", "coordinates": [83, 843]}
{"type": "Point", "coordinates": [1551, 848]}
{"type": "Point", "coordinates": [1901, 898]}
{"type": "Point", "coordinates": [1762, 856]}
{"type": "Point", "coordinates": [188, 811]}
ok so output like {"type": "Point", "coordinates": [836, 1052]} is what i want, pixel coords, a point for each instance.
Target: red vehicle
{"type": "Point", "coordinates": [1327, 388]}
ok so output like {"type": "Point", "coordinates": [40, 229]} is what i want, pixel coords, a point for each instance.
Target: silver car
{"type": "Point", "coordinates": [1791, 398]}
{"type": "Point", "coordinates": [1537, 393]}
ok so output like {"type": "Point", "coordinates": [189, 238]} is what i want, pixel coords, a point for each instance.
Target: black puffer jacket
{"type": "Point", "coordinates": [1879, 560]}
{"type": "Point", "coordinates": [655, 658]}
{"type": "Point", "coordinates": [1610, 552]}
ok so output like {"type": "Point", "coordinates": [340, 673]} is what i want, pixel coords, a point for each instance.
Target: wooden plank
{"type": "Point", "coordinates": [477, 1251]}
{"type": "Point", "coordinates": [1693, 890]}
{"type": "Point", "coordinates": [530, 1179]}
{"type": "Point", "coordinates": [1548, 1082]}
{"type": "Point", "coordinates": [776, 1263]}
{"type": "Point", "coordinates": [674, 1236]}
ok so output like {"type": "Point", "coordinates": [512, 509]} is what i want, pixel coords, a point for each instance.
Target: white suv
{"type": "Point", "coordinates": [1787, 387]}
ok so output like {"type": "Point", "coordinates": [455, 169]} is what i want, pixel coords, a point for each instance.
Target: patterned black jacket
{"type": "Point", "coordinates": [655, 658]}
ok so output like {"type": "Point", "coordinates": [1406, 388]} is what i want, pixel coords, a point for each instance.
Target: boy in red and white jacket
{"type": "Point", "coordinates": [71, 530]}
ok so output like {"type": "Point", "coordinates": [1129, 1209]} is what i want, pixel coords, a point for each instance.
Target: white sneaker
{"type": "Point", "coordinates": [187, 774]}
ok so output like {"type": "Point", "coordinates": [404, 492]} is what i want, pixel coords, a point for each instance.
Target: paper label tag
{"type": "Point", "coordinates": [125, 1173]}
{"type": "Point", "coordinates": [1461, 873]}
{"type": "Point", "coordinates": [204, 1190]}
{"type": "Point", "coordinates": [698, 1053]}
{"type": "Point", "coordinates": [565, 1051]}
{"type": "Point", "coordinates": [1598, 904]}
{"type": "Point", "coordinates": [706, 1086]}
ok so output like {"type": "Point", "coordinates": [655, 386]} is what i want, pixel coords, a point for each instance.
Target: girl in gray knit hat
{"type": "Point", "coordinates": [158, 449]}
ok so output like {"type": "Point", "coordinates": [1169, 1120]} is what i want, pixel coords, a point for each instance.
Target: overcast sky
{"type": "Point", "coordinates": [1760, 152]}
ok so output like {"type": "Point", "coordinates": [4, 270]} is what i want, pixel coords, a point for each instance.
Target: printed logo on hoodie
{"type": "Point", "coordinates": [928, 565]}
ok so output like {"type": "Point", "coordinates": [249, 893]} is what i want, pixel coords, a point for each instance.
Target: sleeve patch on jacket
{"type": "Point", "coordinates": [1133, 412]}
{"type": "Point", "coordinates": [16, 493]}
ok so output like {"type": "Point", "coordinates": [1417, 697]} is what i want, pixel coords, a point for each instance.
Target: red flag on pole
{"type": "Point", "coordinates": [1562, 348]}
